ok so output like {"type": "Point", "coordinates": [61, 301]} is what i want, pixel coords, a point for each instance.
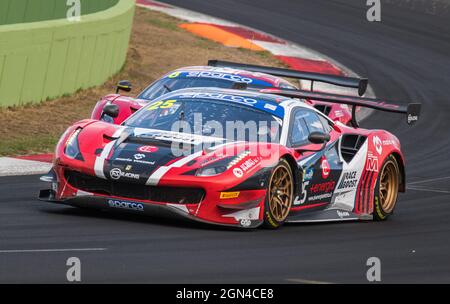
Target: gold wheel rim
{"type": "Point", "coordinates": [388, 187]}
{"type": "Point", "coordinates": [280, 193]}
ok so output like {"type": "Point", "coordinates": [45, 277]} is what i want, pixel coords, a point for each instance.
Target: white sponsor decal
{"type": "Point", "coordinates": [372, 163]}
{"type": "Point", "coordinates": [320, 197]}
{"type": "Point", "coordinates": [412, 118]}
{"type": "Point", "coordinates": [245, 222]}
{"type": "Point", "coordinates": [378, 144]}
{"type": "Point", "coordinates": [343, 214]}
{"type": "Point", "coordinates": [349, 180]}
{"type": "Point", "coordinates": [219, 75]}
{"type": "Point", "coordinates": [139, 156]}
{"type": "Point", "coordinates": [238, 172]}
{"type": "Point", "coordinates": [126, 205]}
{"type": "Point", "coordinates": [116, 174]}
{"type": "Point", "coordinates": [270, 106]}
{"type": "Point", "coordinates": [129, 160]}
{"type": "Point", "coordinates": [219, 96]}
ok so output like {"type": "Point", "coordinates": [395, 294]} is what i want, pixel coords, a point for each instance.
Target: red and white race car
{"type": "Point", "coordinates": [226, 75]}
{"type": "Point", "coordinates": [234, 157]}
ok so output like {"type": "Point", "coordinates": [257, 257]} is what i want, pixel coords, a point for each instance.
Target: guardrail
{"type": "Point", "coordinates": [47, 59]}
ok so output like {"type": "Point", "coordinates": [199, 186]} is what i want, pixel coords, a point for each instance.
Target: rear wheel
{"type": "Point", "coordinates": [280, 192]}
{"type": "Point", "coordinates": [386, 190]}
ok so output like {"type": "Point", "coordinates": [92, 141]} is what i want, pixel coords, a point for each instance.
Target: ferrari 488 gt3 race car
{"type": "Point", "coordinates": [115, 108]}
{"type": "Point", "coordinates": [234, 157]}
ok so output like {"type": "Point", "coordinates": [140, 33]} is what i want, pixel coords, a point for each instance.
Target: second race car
{"type": "Point", "coordinates": [116, 108]}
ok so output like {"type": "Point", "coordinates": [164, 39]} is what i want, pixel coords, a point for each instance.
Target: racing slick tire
{"type": "Point", "coordinates": [386, 189]}
{"type": "Point", "coordinates": [280, 194]}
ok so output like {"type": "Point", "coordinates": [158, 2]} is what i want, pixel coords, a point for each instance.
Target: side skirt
{"type": "Point", "coordinates": [327, 215]}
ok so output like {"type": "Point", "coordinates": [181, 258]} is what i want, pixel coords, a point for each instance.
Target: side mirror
{"type": "Point", "coordinates": [111, 110]}
{"type": "Point", "coordinates": [124, 85]}
{"type": "Point", "coordinates": [319, 137]}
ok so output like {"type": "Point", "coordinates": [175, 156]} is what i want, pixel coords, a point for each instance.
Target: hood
{"type": "Point", "coordinates": [138, 153]}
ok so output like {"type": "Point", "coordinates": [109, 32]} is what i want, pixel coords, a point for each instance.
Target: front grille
{"type": "Point", "coordinates": [323, 108]}
{"type": "Point", "coordinates": [163, 194]}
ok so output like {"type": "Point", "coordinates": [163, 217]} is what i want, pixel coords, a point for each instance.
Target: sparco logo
{"type": "Point", "coordinates": [116, 173]}
{"type": "Point", "coordinates": [126, 205]}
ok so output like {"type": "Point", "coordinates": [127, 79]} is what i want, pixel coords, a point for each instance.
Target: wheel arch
{"type": "Point", "coordinates": [295, 172]}
{"type": "Point", "coordinates": [401, 166]}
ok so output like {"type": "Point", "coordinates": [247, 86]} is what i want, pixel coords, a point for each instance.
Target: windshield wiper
{"type": "Point", "coordinates": [167, 88]}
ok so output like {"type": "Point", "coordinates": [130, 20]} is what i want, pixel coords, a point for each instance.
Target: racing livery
{"type": "Point", "coordinates": [296, 165]}
{"type": "Point", "coordinates": [222, 74]}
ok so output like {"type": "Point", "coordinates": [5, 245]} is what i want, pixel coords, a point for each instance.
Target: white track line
{"type": "Point", "coordinates": [429, 180]}
{"type": "Point", "coordinates": [428, 190]}
{"type": "Point", "coordinates": [51, 250]}
{"type": "Point", "coordinates": [303, 281]}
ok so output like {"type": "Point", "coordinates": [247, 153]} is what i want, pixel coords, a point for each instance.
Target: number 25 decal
{"type": "Point", "coordinates": [161, 105]}
{"type": "Point", "coordinates": [301, 200]}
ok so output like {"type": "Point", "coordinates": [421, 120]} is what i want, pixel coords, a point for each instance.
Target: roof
{"type": "Point", "coordinates": [230, 74]}
{"type": "Point", "coordinates": [264, 102]}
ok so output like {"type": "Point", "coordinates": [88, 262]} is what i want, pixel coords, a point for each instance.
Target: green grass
{"type": "Point", "coordinates": [28, 145]}
{"type": "Point", "coordinates": [165, 23]}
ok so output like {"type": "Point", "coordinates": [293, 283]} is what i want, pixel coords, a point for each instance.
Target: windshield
{"type": "Point", "coordinates": [207, 117]}
{"type": "Point", "coordinates": [166, 85]}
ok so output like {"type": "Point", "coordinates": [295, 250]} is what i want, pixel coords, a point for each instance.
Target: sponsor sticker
{"type": "Point", "coordinates": [246, 166]}
{"type": "Point", "coordinates": [325, 168]}
{"type": "Point", "coordinates": [126, 205]}
{"type": "Point", "coordinates": [245, 222]}
{"type": "Point", "coordinates": [320, 197]}
{"type": "Point", "coordinates": [308, 174]}
{"type": "Point", "coordinates": [343, 214]}
{"type": "Point", "coordinates": [323, 187]}
{"type": "Point", "coordinates": [116, 174]}
{"type": "Point", "coordinates": [378, 144]}
{"type": "Point", "coordinates": [372, 163]}
{"type": "Point", "coordinates": [139, 156]}
{"type": "Point", "coordinates": [220, 75]}
{"type": "Point", "coordinates": [228, 195]}
{"type": "Point", "coordinates": [349, 180]}
{"type": "Point", "coordinates": [412, 118]}
{"type": "Point", "coordinates": [148, 149]}
{"type": "Point", "coordinates": [238, 172]}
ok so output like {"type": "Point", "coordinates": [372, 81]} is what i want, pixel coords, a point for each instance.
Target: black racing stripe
{"type": "Point", "coordinates": [369, 190]}
{"type": "Point", "coordinates": [359, 196]}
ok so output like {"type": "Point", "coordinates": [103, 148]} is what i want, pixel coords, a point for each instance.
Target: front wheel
{"type": "Point", "coordinates": [280, 192]}
{"type": "Point", "coordinates": [386, 190]}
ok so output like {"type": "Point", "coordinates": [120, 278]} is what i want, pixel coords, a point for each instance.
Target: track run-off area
{"type": "Point", "coordinates": [405, 56]}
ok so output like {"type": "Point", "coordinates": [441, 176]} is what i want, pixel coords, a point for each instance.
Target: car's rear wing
{"type": "Point", "coordinates": [349, 82]}
{"type": "Point", "coordinates": [412, 110]}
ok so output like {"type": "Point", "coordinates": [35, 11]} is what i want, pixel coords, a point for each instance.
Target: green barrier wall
{"type": "Point", "coordinates": [20, 11]}
{"type": "Point", "coordinates": [47, 59]}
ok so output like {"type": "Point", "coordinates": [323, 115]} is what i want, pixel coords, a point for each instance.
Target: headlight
{"type": "Point", "coordinates": [211, 171]}
{"type": "Point", "coordinates": [72, 149]}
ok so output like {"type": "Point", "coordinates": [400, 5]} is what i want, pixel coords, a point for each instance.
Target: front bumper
{"type": "Point", "coordinates": [243, 213]}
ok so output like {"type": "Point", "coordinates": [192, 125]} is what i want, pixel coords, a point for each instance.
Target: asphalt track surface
{"type": "Point", "coordinates": [406, 57]}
